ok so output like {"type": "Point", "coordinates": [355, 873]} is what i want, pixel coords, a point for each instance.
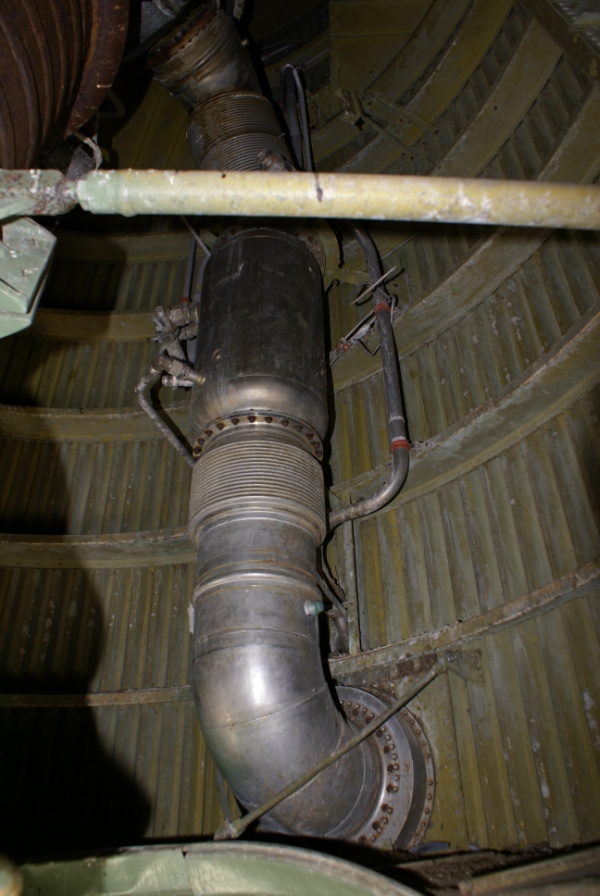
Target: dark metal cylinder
{"type": "Point", "coordinates": [262, 346]}
{"type": "Point", "coordinates": [202, 58]}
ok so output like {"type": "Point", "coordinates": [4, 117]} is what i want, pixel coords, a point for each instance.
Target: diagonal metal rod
{"type": "Point", "coordinates": [373, 286]}
{"type": "Point", "coordinates": [231, 830]}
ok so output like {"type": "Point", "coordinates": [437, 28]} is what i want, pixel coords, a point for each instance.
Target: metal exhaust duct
{"type": "Point", "coordinates": [257, 509]}
{"type": "Point", "coordinates": [58, 59]}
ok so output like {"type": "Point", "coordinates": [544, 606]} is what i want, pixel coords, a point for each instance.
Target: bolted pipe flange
{"type": "Point", "coordinates": [403, 804]}
{"type": "Point", "coordinates": [255, 421]}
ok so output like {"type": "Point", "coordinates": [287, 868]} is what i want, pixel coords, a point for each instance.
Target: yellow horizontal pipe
{"type": "Point", "coordinates": [301, 194]}
{"type": "Point", "coordinates": [356, 196]}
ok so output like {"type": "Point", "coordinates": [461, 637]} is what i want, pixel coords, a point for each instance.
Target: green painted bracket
{"type": "Point", "coordinates": [26, 249]}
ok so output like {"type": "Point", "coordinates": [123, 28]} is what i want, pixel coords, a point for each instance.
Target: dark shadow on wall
{"type": "Point", "coordinates": [61, 791]}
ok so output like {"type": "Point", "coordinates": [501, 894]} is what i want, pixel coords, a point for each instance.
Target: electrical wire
{"type": "Point", "coordinates": [299, 133]}
{"type": "Point", "coordinates": [290, 95]}
{"type": "Point", "coordinates": [306, 145]}
{"type": "Point", "coordinates": [189, 273]}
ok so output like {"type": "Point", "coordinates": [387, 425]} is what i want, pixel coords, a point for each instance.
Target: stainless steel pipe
{"type": "Point", "coordinates": [257, 509]}
{"type": "Point", "coordinates": [257, 514]}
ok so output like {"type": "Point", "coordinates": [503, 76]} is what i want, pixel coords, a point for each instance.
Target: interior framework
{"type": "Point", "coordinates": [492, 547]}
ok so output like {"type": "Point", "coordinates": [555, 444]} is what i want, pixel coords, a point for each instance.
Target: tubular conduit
{"type": "Point", "coordinates": [399, 446]}
{"type": "Point", "coordinates": [305, 194]}
{"type": "Point", "coordinates": [257, 504]}
{"type": "Point", "coordinates": [290, 89]}
{"type": "Point", "coordinates": [306, 153]}
{"type": "Point", "coordinates": [152, 375]}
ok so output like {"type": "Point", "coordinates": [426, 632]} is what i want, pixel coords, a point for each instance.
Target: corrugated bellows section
{"type": "Point", "coordinates": [259, 412]}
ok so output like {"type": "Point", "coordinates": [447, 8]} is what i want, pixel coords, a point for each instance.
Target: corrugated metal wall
{"type": "Point", "coordinates": [492, 548]}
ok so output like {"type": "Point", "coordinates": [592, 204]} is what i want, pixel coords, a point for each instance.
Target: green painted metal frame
{"type": "Point", "coordinates": [26, 250]}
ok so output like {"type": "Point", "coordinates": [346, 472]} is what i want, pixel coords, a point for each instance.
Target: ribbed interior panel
{"type": "Point", "coordinates": [492, 548]}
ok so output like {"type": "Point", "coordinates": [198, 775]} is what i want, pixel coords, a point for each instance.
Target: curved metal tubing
{"type": "Point", "coordinates": [231, 829]}
{"type": "Point", "coordinates": [399, 446]}
{"type": "Point", "coordinates": [382, 497]}
{"type": "Point", "coordinates": [152, 376]}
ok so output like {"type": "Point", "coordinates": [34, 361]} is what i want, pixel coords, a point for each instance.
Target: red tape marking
{"type": "Point", "coordinates": [381, 306]}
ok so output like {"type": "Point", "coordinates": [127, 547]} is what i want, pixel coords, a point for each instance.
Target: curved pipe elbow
{"type": "Point", "coordinates": [391, 377]}
{"type": "Point", "coordinates": [267, 714]}
{"type": "Point", "coordinates": [375, 502]}
{"type": "Point", "coordinates": [266, 710]}
{"type": "Point", "coordinates": [149, 378]}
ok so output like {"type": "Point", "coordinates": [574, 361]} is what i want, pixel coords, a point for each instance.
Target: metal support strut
{"type": "Point", "coordinates": [305, 194]}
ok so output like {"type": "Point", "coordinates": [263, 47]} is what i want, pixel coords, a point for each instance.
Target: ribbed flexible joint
{"type": "Point", "coordinates": [257, 509]}
{"type": "Point", "coordinates": [257, 515]}
{"type": "Point", "coordinates": [260, 473]}
{"type": "Point", "coordinates": [204, 63]}
{"type": "Point", "coordinates": [232, 131]}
